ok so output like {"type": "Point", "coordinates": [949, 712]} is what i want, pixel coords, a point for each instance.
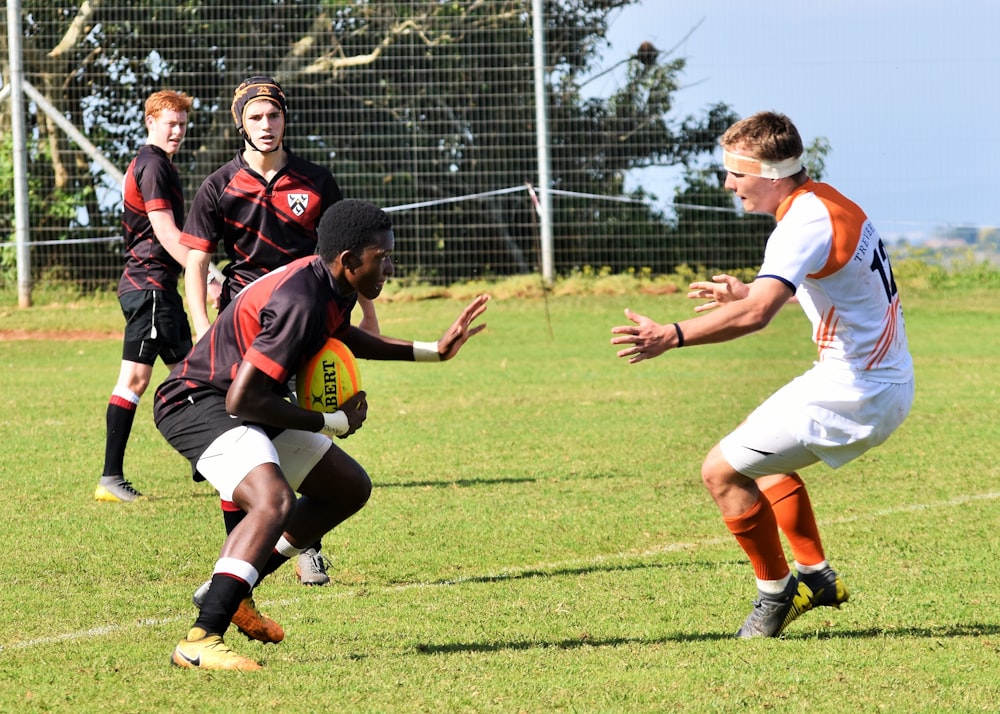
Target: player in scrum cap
{"type": "Point", "coordinates": [263, 206]}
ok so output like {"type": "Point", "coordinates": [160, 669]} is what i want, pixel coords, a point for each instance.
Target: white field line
{"type": "Point", "coordinates": [96, 632]}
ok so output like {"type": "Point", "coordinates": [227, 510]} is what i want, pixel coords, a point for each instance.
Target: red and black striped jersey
{"type": "Point", "coordinates": [262, 225]}
{"type": "Point", "coordinates": [151, 184]}
{"type": "Point", "coordinates": [276, 324]}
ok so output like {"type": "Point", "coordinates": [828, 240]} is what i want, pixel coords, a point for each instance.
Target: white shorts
{"type": "Point", "coordinates": [237, 452]}
{"type": "Point", "coordinates": [816, 417]}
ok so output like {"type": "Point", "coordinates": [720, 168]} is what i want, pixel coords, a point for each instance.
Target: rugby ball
{"type": "Point", "coordinates": [328, 379]}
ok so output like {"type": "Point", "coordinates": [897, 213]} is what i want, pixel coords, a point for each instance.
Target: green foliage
{"type": "Point", "coordinates": [58, 302]}
{"type": "Point", "coordinates": [815, 158]}
{"type": "Point", "coordinates": [719, 238]}
{"type": "Point", "coordinates": [415, 101]}
{"type": "Point", "coordinates": [538, 538]}
{"type": "Point", "coordinates": [52, 214]}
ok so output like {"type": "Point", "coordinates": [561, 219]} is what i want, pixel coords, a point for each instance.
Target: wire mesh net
{"type": "Point", "coordinates": [425, 108]}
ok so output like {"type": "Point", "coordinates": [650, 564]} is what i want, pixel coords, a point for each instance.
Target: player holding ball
{"type": "Point", "coordinates": [224, 407]}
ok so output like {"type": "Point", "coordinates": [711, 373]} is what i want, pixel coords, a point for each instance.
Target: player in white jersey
{"type": "Point", "coordinates": [827, 254]}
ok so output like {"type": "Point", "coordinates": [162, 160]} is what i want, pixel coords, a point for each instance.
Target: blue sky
{"type": "Point", "coordinates": [907, 93]}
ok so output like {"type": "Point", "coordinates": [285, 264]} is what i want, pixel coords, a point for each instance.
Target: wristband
{"type": "Point", "coordinates": [214, 274]}
{"type": "Point", "coordinates": [336, 423]}
{"type": "Point", "coordinates": [426, 352]}
{"type": "Point", "coordinates": [680, 335]}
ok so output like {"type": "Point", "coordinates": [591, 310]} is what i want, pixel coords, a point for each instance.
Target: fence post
{"type": "Point", "coordinates": [22, 227]}
{"type": "Point", "coordinates": [542, 141]}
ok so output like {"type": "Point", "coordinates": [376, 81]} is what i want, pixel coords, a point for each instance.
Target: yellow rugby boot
{"type": "Point", "coordinates": [203, 651]}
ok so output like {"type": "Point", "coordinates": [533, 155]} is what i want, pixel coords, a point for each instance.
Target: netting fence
{"type": "Point", "coordinates": [426, 108]}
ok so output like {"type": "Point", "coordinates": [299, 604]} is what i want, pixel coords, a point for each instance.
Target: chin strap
{"type": "Point", "coordinates": [251, 144]}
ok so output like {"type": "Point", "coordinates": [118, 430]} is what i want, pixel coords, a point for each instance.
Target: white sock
{"type": "Point", "coordinates": [238, 569]}
{"type": "Point", "coordinates": [773, 587]}
{"type": "Point", "coordinates": [283, 547]}
{"type": "Point", "coordinates": [809, 569]}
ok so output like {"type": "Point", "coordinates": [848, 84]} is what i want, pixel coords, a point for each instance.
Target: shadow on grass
{"type": "Point", "coordinates": [468, 482]}
{"type": "Point", "coordinates": [189, 495]}
{"type": "Point", "coordinates": [451, 483]}
{"type": "Point", "coordinates": [941, 632]}
{"type": "Point", "coordinates": [581, 570]}
{"type": "Point", "coordinates": [893, 633]}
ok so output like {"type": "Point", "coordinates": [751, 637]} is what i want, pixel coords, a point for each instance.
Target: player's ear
{"type": "Point", "coordinates": [349, 260]}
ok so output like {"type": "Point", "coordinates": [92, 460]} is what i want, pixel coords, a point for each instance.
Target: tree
{"type": "Point", "coordinates": [707, 233]}
{"type": "Point", "coordinates": [414, 102]}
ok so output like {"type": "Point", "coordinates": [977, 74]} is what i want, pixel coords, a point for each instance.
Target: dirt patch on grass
{"type": "Point", "coordinates": [50, 335]}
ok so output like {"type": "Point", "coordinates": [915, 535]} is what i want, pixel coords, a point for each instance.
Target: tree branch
{"type": "Point", "coordinates": [76, 28]}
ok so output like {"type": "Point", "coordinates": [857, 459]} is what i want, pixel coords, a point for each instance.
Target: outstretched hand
{"type": "Point", "coordinates": [647, 338]}
{"type": "Point", "coordinates": [723, 288]}
{"type": "Point", "coordinates": [461, 329]}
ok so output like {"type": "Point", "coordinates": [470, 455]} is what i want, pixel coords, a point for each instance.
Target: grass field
{"type": "Point", "coordinates": [538, 538]}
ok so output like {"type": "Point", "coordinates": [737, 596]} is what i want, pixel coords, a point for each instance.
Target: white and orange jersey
{"type": "Point", "coordinates": [825, 248]}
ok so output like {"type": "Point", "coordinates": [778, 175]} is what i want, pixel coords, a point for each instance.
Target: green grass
{"type": "Point", "coordinates": [538, 538]}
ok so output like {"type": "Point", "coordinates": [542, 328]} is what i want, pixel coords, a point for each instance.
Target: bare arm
{"type": "Point", "coordinates": [764, 299]}
{"type": "Point", "coordinates": [369, 318]}
{"type": "Point", "coordinates": [195, 287]}
{"type": "Point", "coordinates": [169, 235]}
{"type": "Point", "coordinates": [735, 318]}
{"type": "Point", "coordinates": [252, 397]}
{"type": "Point", "coordinates": [720, 290]}
{"type": "Point", "coordinates": [370, 346]}
{"type": "Point", "coordinates": [376, 346]}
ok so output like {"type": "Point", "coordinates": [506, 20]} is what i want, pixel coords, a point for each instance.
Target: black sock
{"type": "Point", "coordinates": [273, 563]}
{"type": "Point", "coordinates": [232, 519]}
{"type": "Point", "coordinates": [221, 603]}
{"type": "Point", "coordinates": [119, 419]}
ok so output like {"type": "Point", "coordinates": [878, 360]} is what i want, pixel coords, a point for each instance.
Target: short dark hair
{"type": "Point", "coordinates": [350, 224]}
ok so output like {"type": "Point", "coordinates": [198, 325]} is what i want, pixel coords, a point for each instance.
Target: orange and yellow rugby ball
{"type": "Point", "coordinates": [328, 379]}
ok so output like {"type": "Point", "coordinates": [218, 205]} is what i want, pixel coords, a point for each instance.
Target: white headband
{"type": "Point", "coordinates": [739, 164]}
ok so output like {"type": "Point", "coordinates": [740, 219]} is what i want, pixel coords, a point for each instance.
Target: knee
{"type": "Point", "coordinates": [136, 381]}
{"type": "Point", "coordinates": [284, 504]}
{"type": "Point", "coordinates": [716, 473]}
{"type": "Point", "coordinates": [359, 487]}
{"type": "Point", "coordinates": [276, 505]}
{"type": "Point", "coordinates": [339, 481]}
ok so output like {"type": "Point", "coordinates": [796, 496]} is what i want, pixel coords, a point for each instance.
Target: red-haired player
{"type": "Point", "coordinates": [155, 322]}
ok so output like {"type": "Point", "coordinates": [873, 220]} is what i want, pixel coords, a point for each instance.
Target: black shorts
{"type": "Point", "coordinates": [192, 427]}
{"type": "Point", "coordinates": [155, 325]}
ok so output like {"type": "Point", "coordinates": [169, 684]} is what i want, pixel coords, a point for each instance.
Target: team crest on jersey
{"type": "Point", "coordinates": [298, 202]}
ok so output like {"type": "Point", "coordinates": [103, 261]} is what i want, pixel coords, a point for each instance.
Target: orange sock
{"type": "Point", "coordinates": [756, 531]}
{"type": "Point", "coordinates": [794, 515]}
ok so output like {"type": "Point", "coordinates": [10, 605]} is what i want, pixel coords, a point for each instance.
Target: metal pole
{"type": "Point", "coordinates": [21, 218]}
{"type": "Point", "coordinates": [73, 133]}
{"type": "Point", "coordinates": [542, 140]}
